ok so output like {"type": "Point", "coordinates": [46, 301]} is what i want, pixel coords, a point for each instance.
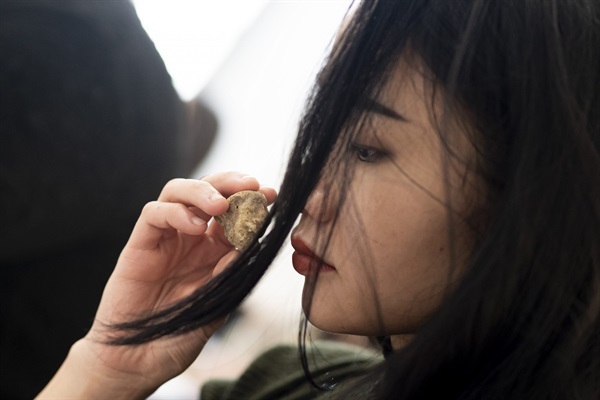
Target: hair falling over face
{"type": "Point", "coordinates": [522, 320]}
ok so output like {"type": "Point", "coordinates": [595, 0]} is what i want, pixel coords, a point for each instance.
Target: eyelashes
{"type": "Point", "coordinates": [367, 154]}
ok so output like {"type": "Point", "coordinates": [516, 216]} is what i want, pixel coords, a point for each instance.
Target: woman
{"type": "Point", "coordinates": [447, 174]}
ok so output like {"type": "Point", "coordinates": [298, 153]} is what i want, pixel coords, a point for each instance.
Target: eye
{"type": "Point", "coordinates": [365, 153]}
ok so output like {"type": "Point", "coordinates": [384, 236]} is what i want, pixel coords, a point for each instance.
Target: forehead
{"type": "Point", "coordinates": [406, 89]}
{"type": "Point", "coordinates": [411, 90]}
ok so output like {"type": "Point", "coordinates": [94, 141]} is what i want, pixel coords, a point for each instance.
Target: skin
{"type": "Point", "coordinates": [172, 250]}
{"type": "Point", "coordinates": [392, 272]}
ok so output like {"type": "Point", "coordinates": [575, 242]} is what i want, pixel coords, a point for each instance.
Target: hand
{"type": "Point", "coordinates": [171, 252]}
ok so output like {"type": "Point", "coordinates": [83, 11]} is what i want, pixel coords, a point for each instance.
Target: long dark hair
{"type": "Point", "coordinates": [524, 322]}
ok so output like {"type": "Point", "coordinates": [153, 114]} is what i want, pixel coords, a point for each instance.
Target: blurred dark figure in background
{"type": "Point", "coordinates": [91, 127]}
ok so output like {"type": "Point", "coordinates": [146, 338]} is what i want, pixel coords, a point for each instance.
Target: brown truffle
{"type": "Point", "coordinates": [246, 213]}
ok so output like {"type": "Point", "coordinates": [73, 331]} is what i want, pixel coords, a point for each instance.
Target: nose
{"type": "Point", "coordinates": [321, 203]}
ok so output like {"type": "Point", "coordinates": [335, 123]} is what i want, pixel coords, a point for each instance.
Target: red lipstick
{"type": "Point", "coordinates": [305, 261]}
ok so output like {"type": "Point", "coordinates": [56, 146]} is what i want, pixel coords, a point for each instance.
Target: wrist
{"type": "Point", "coordinates": [84, 375]}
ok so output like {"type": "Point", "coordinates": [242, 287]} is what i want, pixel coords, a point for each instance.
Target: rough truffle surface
{"type": "Point", "coordinates": [246, 213]}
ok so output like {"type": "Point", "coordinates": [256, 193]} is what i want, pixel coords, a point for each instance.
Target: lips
{"type": "Point", "coordinates": [305, 261]}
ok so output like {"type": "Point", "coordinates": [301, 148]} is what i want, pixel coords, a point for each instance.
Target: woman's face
{"type": "Point", "coordinates": [388, 261]}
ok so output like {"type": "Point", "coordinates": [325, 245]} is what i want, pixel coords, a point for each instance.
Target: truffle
{"type": "Point", "coordinates": [245, 216]}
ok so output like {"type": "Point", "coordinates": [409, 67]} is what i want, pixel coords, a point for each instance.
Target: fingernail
{"type": "Point", "coordinates": [249, 177]}
{"type": "Point", "coordinates": [215, 197]}
{"type": "Point", "coordinates": [198, 221]}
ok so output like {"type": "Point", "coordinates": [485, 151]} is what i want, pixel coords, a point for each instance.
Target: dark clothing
{"type": "Point", "coordinates": [278, 373]}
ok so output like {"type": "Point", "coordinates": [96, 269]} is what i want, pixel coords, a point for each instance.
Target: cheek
{"type": "Point", "coordinates": [392, 245]}
{"type": "Point", "coordinates": [405, 237]}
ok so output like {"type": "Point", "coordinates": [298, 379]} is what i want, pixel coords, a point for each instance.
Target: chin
{"type": "Point", "coordinates": [323, 321]}
{"type": "Point", "coordinates": [337, 325]}
{"type": "Point", "coordinates": [332, 321]}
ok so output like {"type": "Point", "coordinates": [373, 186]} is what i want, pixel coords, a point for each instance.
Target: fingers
{"type": "Point", "coordinates": [158, 217]}
{"type": "Point", "coordinates": [186, 205]}
{"type": "Point", "coordinates": [243, 182]}
{"type": "Point", "coordinates": [269, 192]}
{"type": "Point", "coordinates": [235, 182]}
{"type": "Point", "coordinates": [204, 197]}
{"type": "Point", "coordinates": [229, 183]}
{"type": "Point", "coordinates": [207, 195]}
{"type": "Point", "coordinates": [224, 184]}
{"type": "Point", "coordinates": [173, 215]}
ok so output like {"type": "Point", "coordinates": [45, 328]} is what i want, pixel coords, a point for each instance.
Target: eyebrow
{"type": "Point", "coordinates": [378, 108]}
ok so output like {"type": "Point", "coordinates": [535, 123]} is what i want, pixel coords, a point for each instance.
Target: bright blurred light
{"type": "Point", "coordinates": [195, 36]}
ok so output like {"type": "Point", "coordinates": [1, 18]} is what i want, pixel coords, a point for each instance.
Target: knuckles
{"type": "Point", "coordinates": [150, 207]}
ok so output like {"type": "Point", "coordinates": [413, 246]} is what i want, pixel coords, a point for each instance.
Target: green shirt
{"type": "Point", "coordinates": [278, 373]}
